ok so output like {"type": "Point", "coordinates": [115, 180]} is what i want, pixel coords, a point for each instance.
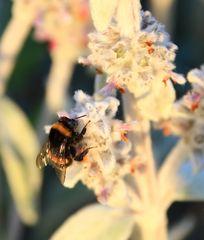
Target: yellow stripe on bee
{"type": "Point", "coordinates": [64, 131]}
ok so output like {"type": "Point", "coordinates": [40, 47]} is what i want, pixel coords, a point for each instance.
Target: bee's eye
{"type": "Point", "coordinates": [68, 122]}
{"type": "Point", "coordinates": [74, 123]}
{"type": "Point", "coordinates": [71, 123]}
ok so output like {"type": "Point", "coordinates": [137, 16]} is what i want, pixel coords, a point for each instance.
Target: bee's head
{"type": "Point", "coordinates": [70, 123]}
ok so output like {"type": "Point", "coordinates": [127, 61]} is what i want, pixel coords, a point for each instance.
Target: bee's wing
{"type": "Point", "coordinates": [42, 159]}
{"type": "Point", "coordinates": [61, 172]}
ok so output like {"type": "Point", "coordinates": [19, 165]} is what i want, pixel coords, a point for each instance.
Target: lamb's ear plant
{"type": "Point", "coordinates": [132, 53]}
{"type": "Point", "coordinates": [62, 25]}
{"type": "Point", "coordinates": [53, 22]}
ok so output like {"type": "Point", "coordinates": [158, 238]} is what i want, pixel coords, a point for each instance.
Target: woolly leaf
{"type": "Point", "coordinates": [102, 12]}
{"type": "Point", "coordinates": [96, 222]}
{"type": "Point", "coordinates": [19, 147]}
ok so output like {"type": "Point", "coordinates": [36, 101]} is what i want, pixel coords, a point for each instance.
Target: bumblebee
{"type": "Point", "coordinates": [62, 146]}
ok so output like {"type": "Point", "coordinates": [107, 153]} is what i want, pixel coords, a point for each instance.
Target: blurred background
{"type": "Point", "coordinates": [28, 89]}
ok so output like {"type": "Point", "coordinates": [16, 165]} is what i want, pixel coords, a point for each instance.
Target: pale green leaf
{"type": "Point", "coordinates": [128, 16]}
{"type": "Point", "coordinates": [19, 185]}
{"type": "Point", "coordinates": [16, 129]}
{"type": "Point", "coordinates": [181, 178]}
{"type": "Point", "coordinates": [96, 222]}
{"type": "Point", "coordinates": [102, 12]}
{"type": "Point", "coordinates": [157, 104]}
{"type": "Point", "coordinates": [19, 147]}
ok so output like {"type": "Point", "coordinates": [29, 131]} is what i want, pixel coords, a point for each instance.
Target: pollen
{"type": "Point", "coordinates": [165, 79]}
{"type": "Point", "coordinates": [151, 50]}
{"type": "Point", "coordinates": [149, 43]}
{"type": "Point", "coordinates": [132, 166]}
{"type": "Point", "coordinates": [124, 137]}
{"type": "Point", "coordinates": [119, 88]}
{"type": "Point", "coordinates": [192, 100]}
{"type": "Point", "coordinates": [167, 131]}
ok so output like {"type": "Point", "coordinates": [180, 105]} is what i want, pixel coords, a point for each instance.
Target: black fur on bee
{"type": "Point", "coordinates": [62, 146]}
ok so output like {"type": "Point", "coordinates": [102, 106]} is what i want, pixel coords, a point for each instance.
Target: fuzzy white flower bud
{"type": "Point", "coordinates": [141, 63]}
{"type": "Point", "coordinates": [187, 116]}
{"type": "Point", "coordinates": [108, 158]}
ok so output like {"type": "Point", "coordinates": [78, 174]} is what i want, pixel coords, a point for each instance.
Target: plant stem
{"type": "Point", "coordinates": [56, 92]}
{"type": "Point", "coordinates": [145, 174]}
{"type": "Point", "coordinates": [152, 224]}
{"type": "Point", "coordinates": [10, 45]}
{"type": "Point", "coordinates": [163, 10]}
{"type": "Point", "coordinates": [99, 82]}
{"type": "Point", "coordinates": [151, 221]}
{"type": "Point", "coordinates": [166, 174]}
{"type": "Point", "coordinates": [58, 83]}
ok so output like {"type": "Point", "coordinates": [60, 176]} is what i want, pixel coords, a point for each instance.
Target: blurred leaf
{"type": "Point", "coordinates": [182, 174]}
{"type": "Point", "coordinates": [102, 12]}
{"type": "Point", "coordinates": [19, 147]}
{"type": "Point", "coordinates": [18, 183]}
{"type": "Point", "coordinates": [182, 228]}
{"type": "Point", "coordinates": [96, 222]}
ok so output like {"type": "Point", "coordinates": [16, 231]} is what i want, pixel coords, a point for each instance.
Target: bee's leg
{"type": "Point", "coordinates": [80, 156]}
{"type": "Point", "coordinates": [72, 151]}
{"type": "Point", "coordinates": [83, 131]}
{"type": "Point", "coordinates": [81, 134]}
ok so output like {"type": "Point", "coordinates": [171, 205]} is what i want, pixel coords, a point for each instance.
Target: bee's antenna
{"type": "Point", "coordinates": [80, 116]}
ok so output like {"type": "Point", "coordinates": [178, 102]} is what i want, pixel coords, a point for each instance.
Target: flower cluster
{"type": "Point", "coordinates": [141, 63]}
{"type": "Point", "coordinates": [109, 157]}
{"type": "Point", "coordinates": [188, 114]}
{"type": "Point", "coordinates": [55, 23]}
